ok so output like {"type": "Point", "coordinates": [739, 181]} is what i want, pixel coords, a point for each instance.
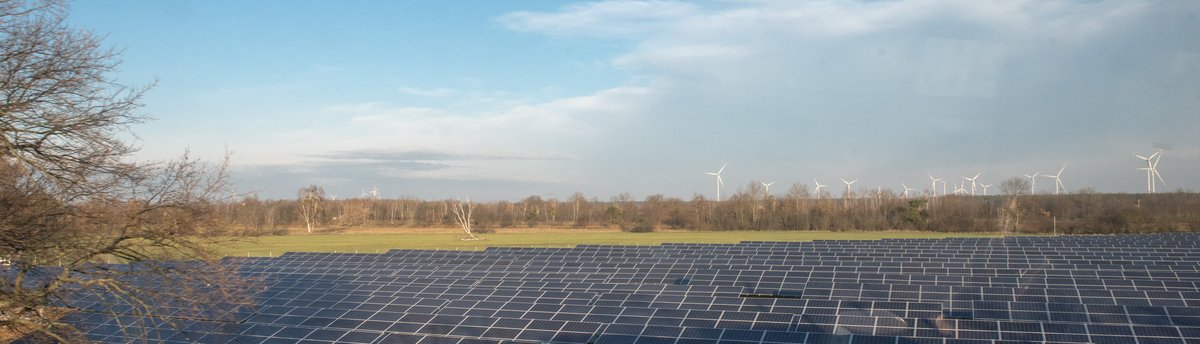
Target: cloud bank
{"type": "Point", "coordinates": [882, 91]}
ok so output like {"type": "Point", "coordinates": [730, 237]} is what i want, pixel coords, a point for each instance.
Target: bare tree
{"type": "Point", "coordinates": [462, 217]}
{"type": "Point", "coordinates": [1013, 188]}
{"type": "Point", "coordinates": [577, 201]}
{"type": "Point", "coordinates": [78, 221]}
{"type": "Point", "coordinates": [311, 199]}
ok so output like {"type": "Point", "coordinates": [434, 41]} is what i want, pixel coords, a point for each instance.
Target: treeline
{"type": "Point", "coordinates": [748, 209]}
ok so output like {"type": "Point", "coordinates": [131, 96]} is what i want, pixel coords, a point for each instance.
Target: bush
{"type": "Point", "coordinates": [483, 230]}
{"type": "Point", "coordinates": [640, 229]}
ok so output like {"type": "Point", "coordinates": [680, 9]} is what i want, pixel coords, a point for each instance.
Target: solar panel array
{"type": "Point", "coordinates": [1076, 289]}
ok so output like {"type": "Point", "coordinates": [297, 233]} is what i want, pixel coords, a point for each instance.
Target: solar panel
{"type": "Point", "coordinates": [1141, 288]}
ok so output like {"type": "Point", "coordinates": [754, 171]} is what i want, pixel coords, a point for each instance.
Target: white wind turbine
{"type": "Point", "coordinates": [1033, 182]}
{"type": "Point", "coordinates": [972, 179]}
{"type": "Point", "coordinates": [1154, 168]}
{"type": "Point", "coordinates": [817, 191]}
{"type": "Point", "coordinates": [1151, 170]}
{"type": "Point", "coordinates": [373, 194]}
{"type": "Point", "coordinates": [1058, 185]}
{"type": "Point", "coordinates": [848, 183]}
{"type": "Point", "coordinates": [933, 185]}
{"type": "Point", "coordinates": [960, 189]}
{"type": "Point", "coordinates": [767, 187]}
{"type": "Point", "coordinates": [719, 181]}
{"type": "Point", "coordinates": [906, 190]}
{"type": "Point", "coordinates": [985, 187]}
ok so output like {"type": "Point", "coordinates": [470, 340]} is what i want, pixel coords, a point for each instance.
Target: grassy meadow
{"type": "Point", "coordinates": [373, 243]}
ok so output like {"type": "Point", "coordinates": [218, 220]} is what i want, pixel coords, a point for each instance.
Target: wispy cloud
{"type": "Point", "coordinates": [882, 91]}
{"type": "Point", "coordinates": [607, 19]}
{"type": "Point", "coordinates": [387, 155]}
{"type": "Point", "coordinates": [436, 92]}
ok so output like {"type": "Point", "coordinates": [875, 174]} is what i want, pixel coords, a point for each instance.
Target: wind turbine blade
{"type": "Point", "coordinates": [1142, 157]}
{"type": "Point", "coordinates": [711, 173]}
{"type": "Point", "coordinates": [722, 168]}
{"type": "Point", "coordinates": [1061, 170]}
{"type": "Point", "coordinates": [1160, 178]}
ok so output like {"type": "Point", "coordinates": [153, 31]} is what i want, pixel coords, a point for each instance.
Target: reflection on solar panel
{"type": "Point", "coordinates": [1079, 289]}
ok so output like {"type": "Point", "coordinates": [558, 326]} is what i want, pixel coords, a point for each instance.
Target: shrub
{"type": "Point", "coordinates": [640, 229]}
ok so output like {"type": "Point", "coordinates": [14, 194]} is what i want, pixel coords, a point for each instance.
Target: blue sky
{"type": "Point", "coordinates": [506, 99]}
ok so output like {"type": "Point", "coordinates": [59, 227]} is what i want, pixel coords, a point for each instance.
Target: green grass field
{"type": "Point", "coordinates": [372, 243]}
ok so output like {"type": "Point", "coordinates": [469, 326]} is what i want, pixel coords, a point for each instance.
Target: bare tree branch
{"type": "Point", "coordinates": [77, 221]}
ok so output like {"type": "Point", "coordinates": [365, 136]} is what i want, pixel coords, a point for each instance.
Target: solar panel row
{"type": "Point", "coordinates": [1098, 289]}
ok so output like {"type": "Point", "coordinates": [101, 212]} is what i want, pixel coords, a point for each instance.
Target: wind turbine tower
{"type": "Point", "coordinates": [933, 185]}
{"type": "Point", "coordinates": [1033, 182]}
{"type": "Point", "coordinates": [767, 187]}
{"type": "Point", "coordinates": [906, 190]}
{"type": "Point", "coordinates": [817, 191]}
{"type": "Point", "coordinates": [972, 179]}
{"type": "Point", "coordinates": [848, 183]}
{"type": "Point", "coordinates": [1058, 184]}
{"type": "Point", "coordinates": [985, 187]}
{"type": "Point", "coordinates": [719, 181]}
{"type": "Point", "coordinates": [1152, 170]}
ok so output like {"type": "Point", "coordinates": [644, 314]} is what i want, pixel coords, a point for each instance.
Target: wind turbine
{"type": "Point", "coordinates": [1033, 182]}
{"type": "Point", "coordinates": [972, 179]}
{"type": "Point", "coordinates": [1154, 168]}
{"type": "Point", "coordinates": [1058, 185]}
{"type": "Point", "coordinates": [719, 181]}
{"type": "Point", "coordinates": [848, 183]}
{"type": "Point", "coordinates": [985, 187]}
{"type": "Point", "coordinates": [1151, 170]}
{"type": "Point", "coordinates": [817, 191]}
{"type": "Point", "coordinates": [933, 185]}
{"type": "Point", "coordinates": [960, 189]}
{"type": "Point", "coordinates": [906, 190]}
{"type": "Point", "coordinates": [767, 187]}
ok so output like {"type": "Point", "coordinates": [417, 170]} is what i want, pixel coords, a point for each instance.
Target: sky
{"type": "Point", "coordinates": [501, 100]}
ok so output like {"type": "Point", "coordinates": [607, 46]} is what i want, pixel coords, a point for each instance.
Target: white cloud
{"type": "Point", "coordinates": [885, 91]}
{"type": "Point", "coordinates": [436, 92]}
{"type": "Point", "coordinates": [522, 130]}
{"type": "Point", "coordinates": [940, 75]}
{"type": "Point", "coordinates": [606, 19]}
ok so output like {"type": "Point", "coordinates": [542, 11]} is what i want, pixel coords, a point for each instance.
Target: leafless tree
{"type": "Point", "coordinates": [1013, 188]}
{"type": "Point", "coordinates": [462, 216]}
{"type": "Point", "coordinates": [311, 199]}
{"type": "Point", "coordinates": [78, 220]}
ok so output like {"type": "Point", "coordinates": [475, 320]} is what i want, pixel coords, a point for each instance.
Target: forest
{"type": "Point", "coordinates": [1013, 211]}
